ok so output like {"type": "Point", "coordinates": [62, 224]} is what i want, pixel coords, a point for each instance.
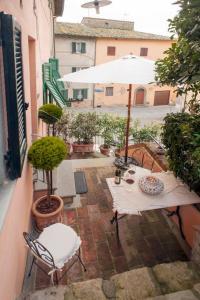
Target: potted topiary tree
{"type": "Point", "coordinates": [46, 154]}
{"type": "Point", "coordinates": [84, 127]}
{"type": "Point", "coordinates": [50, 114]}
{"type": "Point", "coordinates": [107, 122]}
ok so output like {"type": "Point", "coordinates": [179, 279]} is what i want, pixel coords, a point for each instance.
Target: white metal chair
{"type": "Point", "coordinates": [56, 246]}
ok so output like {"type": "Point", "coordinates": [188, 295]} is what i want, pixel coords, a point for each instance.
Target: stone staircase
{"type": "Point", "coordinates": [169, 281]}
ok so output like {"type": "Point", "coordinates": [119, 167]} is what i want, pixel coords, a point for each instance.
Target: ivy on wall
{"type": "Point", "coordinates": [181, 137]}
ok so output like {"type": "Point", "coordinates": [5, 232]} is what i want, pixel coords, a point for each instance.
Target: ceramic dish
{"type": "Point", "coordinates": [151, 185]}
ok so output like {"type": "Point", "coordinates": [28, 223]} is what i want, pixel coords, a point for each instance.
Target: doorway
{"type": "Point", "coordinates": [139, 96]}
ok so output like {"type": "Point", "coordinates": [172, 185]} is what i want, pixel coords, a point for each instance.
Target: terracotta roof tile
{"type": "Point", "coordinates": [80, 30]}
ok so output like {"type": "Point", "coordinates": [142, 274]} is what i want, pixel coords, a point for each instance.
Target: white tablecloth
{"type": "Point", "coordinates": [129, 199]}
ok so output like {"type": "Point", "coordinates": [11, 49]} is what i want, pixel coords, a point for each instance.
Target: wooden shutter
{"type": "Point", "coordinates": [111, 51]}
{"type": "Point", "coordinates": [73, 47]}
{"type": "Point", "coordinates": [14, 90]}
{"type": "Point", "coordinates": [143, 51]}
{"type": "Point", "coordinates": [109, 91]}
{"type": "Point", "coordinates": [83, 47]}
{"type": "Point", "coordinates": [75, 93]}
{"type": "Point", "coordinates": [84, 93]}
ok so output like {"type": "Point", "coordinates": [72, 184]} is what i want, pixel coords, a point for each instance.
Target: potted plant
{"type": "Point", "coordinates": [147, 133]}
{"type": "Point", "coordinates": [46, 154]}
{"type": "Point", "coordinates": [50, 114]}
{"type": "Point", "coordinates": [84, 127]}
{"type": "Point", "coordinates": [107, 132]}
{"type": "Point", "coordinates": [120, 124]}
{"type": "Point", "coordinates": [62, 127]}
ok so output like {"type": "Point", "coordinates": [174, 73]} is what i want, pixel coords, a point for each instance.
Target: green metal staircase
{"type": "Point", "coordinates": [53, 90]}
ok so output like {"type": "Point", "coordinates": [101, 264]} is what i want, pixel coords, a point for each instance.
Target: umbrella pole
{"type": "Point", "coordinates": [128, 121]}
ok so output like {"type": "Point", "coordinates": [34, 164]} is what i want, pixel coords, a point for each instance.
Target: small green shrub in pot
{"type": "Point", "coordinates": [46, 154]}
{"type": "Point", "coordinates": [84, 127]}
{"type": "Point", "coordinates": [50, 113]}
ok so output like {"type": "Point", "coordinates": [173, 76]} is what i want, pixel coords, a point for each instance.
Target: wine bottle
{"type": "Point", "coordinates": [117, 176]}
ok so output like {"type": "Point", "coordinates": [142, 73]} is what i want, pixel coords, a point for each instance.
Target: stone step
{"type": "Point", "coordinates": [65, 180]}
{"type": "Point", "coordinates": [170, 281]}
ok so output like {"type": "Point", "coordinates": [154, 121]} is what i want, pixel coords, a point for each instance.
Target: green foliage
{"type": "Point", "coordinates": [144, 134]}
{"type": "Point", "coordinates": [107, 128]}
{"type": "Point", "coordinates": [120, 131]}
{"type": "Point", "coordinates": [180, 67]}
{"type": "Point", "coordinates": [84, 127]}
{"type": "Point", "coordinates": [47, 153]}
{"type": "Point", "coordinates": [62, 127]}
{"type": "Point", "coordinates": [181, 136]}
{"type": "Point", "coordinates": [50, 113]}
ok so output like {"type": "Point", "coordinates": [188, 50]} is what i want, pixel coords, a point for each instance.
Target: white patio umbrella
{"type": "Point", "coordinates": [129, 70]}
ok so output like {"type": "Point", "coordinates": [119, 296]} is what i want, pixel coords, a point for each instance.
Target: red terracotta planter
{"type": "Point", "coordinates": [45, 219]}
{"type": "Point", "coordinates": [82, 148]}
{"type": "Point", "coordinates": [104, 150]}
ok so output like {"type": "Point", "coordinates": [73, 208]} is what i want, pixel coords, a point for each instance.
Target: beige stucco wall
{"type": "Point", "coordinates": [124, 47]}
{"type": "Point", "coordinates": [12, 247]}
{"type": "Point", "coordinates": [67, 60]}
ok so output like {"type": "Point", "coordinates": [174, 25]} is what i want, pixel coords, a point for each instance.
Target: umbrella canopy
{"type": "Point", "coordinates": [128, 69]}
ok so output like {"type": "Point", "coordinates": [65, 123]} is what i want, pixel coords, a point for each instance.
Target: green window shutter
{"type": "Point", "coordinates": [73, 47]}
{"type": "Point", "coordinates": [83, 47]}
{"type": "Point", "coordinates": [85, 93]}
{"type": "Point", "coordinates": [10, 33]}
{"type": "Point", "coordinates": [75, 93]}
{"type": "Point", "coordinates": [73, 69]}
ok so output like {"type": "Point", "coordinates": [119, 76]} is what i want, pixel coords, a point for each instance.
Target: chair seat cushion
{"type": "Point", "coordinates": [61, 241]}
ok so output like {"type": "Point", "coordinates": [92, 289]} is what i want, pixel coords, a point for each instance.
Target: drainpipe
{"type": "Point", "coordinates": [54, 44]}
{"type": "Point", "coordinates": [93, 100]}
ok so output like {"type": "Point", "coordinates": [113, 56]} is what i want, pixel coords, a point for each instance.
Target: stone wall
{"type": "Point", "coordinates": [196, 248]}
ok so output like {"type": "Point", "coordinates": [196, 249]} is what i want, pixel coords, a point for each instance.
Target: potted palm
{"type": "Point", "coordinates": [84, 127]}
{"type": "Point", "coordinates": [46, 154]}
{"type": "Point", "coordinates": [107, 132]}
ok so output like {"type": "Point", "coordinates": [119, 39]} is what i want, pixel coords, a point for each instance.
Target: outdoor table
{"type": "Point", "coordinates": [129, 199]}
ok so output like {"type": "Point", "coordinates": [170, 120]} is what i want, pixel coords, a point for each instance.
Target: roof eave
{"type": "Point", "coordinates": [58, 7]}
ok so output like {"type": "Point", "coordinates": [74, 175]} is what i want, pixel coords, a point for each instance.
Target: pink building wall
{"type": "Point", "coordinates": [36, 49]}
{"type": "Point", "coordinates": [125, 47]}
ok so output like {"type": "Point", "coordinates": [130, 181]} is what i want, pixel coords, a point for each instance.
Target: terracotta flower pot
{"type": "Point", "coordinates": [104, 150]}
{"type": "Point", "coordinates": [82, 148]}
{"type": "Point", "coordinates": [117, 153]}
{"type": "Point", "coordinates": [45, 219]}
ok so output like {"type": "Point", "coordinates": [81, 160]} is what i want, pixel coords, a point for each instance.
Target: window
{"type": "Point", "coordinates": [109, 91]}
{"type": "Point", "coordinates": [10, 34]}
{"type": "Point", "coordinates": [80, 94]}
{"type": "Point", "coordinates": [75, 69]}
{"type": "Point", "coordinates": [111, 51]}
{"type": "Point", "coordinates": [78, 47]}
{"type": "Point", "coordinates": [143, 51]}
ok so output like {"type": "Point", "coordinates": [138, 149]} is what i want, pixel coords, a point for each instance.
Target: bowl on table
{"type": "Point", "coordinates": [151, 185]}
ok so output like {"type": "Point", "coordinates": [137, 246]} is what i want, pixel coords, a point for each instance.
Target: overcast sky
{"type": "Point", "coordinates": [148, 15]}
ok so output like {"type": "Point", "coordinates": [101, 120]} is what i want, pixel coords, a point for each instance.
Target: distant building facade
{"type": "Point", "coordinates": [76, 53]}
{"type": "Point", "coordinates": [108, 40]}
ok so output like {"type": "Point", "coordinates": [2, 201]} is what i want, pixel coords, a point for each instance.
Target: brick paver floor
{"type": "Point", "coordinates": [145, 240]}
